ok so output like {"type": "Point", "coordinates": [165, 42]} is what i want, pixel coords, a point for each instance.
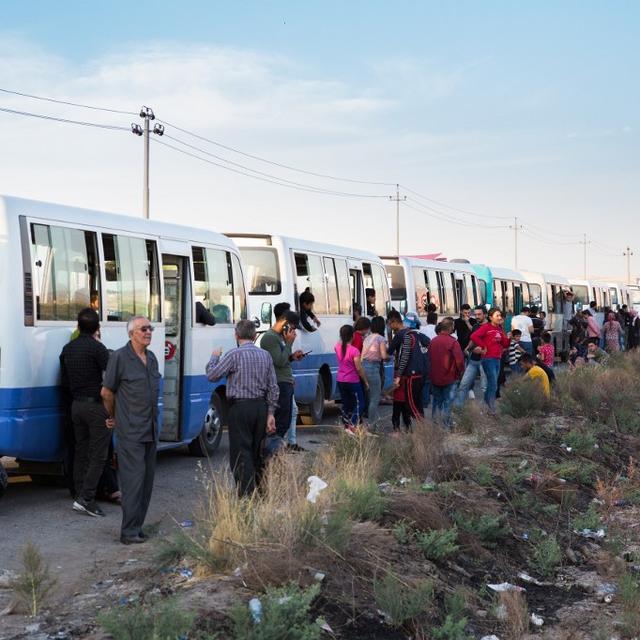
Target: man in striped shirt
{"type": "Point", "coordinates": [252, 394]}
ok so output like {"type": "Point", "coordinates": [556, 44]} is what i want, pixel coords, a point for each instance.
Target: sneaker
{"type": "Point", "coordinates": [295, 448]}
{"type": "Point", "coordinates": [351, 431]}
{"type": "Point", "coordinates": [88, 508]}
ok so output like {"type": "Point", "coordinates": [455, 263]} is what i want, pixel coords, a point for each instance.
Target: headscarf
{"type": "Point", "coordinates": [611, 317]}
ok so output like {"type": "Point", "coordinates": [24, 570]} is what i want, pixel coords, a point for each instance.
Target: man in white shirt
{"type": "Point", "coordinates": [523, 322]}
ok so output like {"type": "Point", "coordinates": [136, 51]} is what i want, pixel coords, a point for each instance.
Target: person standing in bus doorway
{"type": "Point", "coordinates": [82, 363]}
{"type": "Point", "coordinates": [252, 393]}
{"type": "Point", "coordinates": [410, 349]}
{"type": "Point", "coordinates": [308, 318]}
{"type": "Point", "coordinates": [524, 324]}
{"type": "Point", "coordinates": [130, 394]}
{"type": "Point", "coordinates": [277, 342]}
{"type": "Point", "coordinates": [371, 302]}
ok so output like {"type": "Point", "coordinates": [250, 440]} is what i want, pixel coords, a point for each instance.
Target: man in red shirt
{"type": "Point", "coordinates": [447, 367]}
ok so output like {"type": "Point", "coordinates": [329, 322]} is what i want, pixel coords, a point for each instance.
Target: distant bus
{"type": "Point", "coordinates": [56, 260]}
{"type": "Point", "coordinates": [416, 282]}
{"type": "Point", "coordinates": [279, 269]}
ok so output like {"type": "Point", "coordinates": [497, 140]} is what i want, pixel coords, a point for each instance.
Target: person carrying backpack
{"type": "Point", "coordinates": [409, 347]}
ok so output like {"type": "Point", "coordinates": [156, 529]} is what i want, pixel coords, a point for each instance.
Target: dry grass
{"type": "Point", "coordinates": [420, 510]}
{"type": "Point", "coordinates": [516, 622]}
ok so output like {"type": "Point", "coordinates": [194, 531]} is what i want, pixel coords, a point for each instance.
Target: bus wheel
{"type": "Point", "coordinates": [315, 410]}
{"type": "Point", "coordinates": [4, 480]}
{"type": "Point", "coordinates": [209, 439]}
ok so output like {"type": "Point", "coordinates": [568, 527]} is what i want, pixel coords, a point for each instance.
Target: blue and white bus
{"type": "Point", "coordinates": [56, 260]}
{"type": "Point", "coordinates": [279, 269]}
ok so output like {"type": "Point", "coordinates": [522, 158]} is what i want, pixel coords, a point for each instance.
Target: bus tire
{"type": "Point", "coordinates": [4, 480]}
{"type": "Point", "coordinates": [315, 410]}
{"type": "Point", "coordinates": [209, 438]}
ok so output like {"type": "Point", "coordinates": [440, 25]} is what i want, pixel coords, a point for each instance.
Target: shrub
{"type": "Point", "coordinates": [33, 585]}
{"type": "Point", "coordinates": [158, 620]}
{"type": "Point", "coordinates": [455, 623]}
{"type": "Point", "coordinates": [581, 441]}
{"type": "Point", "coordinates": [483, 475]}
{"type": "Point", "coordinates": [546, 555]}
{"type": "Point", "coordinates": [362, 502]}
{"type": "Point", "coordinates": [522, 398]}
{"type": "Point", "coordinates": [489, 528]}
{"type": "Point", "coordinates": [590, 519]}
{"type": "Point", "coordinates": [438, 544]}
{"type": "Point", "coordinates": [337, 530]}
{"type": "Point", "coordinates": [630, 599]}
{"type": "Point", "coordinates": [580, 471]}
{"type": "Point", "coordinates": [401, 601]}
{"type": "Point", "coordinates": [285, 616]}
{"type": "Point", "coordinates": [402, 532]}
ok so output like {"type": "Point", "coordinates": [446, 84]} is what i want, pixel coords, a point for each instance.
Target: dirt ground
{"type": "Point", "coordinates": [84, 553]}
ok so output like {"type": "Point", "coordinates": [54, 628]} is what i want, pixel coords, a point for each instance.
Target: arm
{"type": "Point", "coordinates": [219, 368]}
{"type": "Point", "coordinates": [384, 352]}
{"type": "Point", "coordinates": [361, 372]}
{"type": "Point", "coordinates": [459, 359]}
{"type": "Point", "coordinates": [280, 356]}
{"type": "Point", "coordinates": [405, 352]}
{"type": "Point", "coordinates": [273, 392]}
{"type": "Point", "coordinates": [109, 402]}
{"type": "Point", "coordinates": [110, 385]}
{"type": "Point", "coordinates": [203, 315]}
{"type": "Point", "coordinates": [304, 321]}
{"type": "Point", "coordinates": [395, 344]}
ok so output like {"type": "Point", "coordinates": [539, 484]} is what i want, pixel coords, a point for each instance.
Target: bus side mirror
{"type": "Point", "coordinates": [265, 313]}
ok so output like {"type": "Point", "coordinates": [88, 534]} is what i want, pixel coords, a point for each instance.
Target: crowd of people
{"type": "Point", "coordinates": [437, 365]}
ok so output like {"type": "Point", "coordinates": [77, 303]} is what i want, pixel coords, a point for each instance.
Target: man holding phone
{"type": "Point", "coordinates": [278, 342]}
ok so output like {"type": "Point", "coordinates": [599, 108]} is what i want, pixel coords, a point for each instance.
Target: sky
{"type": "Point", "coordinates": [482, 111]}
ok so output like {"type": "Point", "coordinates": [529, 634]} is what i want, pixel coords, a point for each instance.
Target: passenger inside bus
{"type": "Point", "coordinates": [308, 318]}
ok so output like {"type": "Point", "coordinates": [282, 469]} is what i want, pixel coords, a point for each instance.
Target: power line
{"type": "Point", "coordinates": [255, 177]}
{"type": "Point", "coordinates": [71, 104]}
{"type": "Point", "coordinates": [65, 120]}
{"type": "Point", "coordinates": [465, 211]}
{"type": "Point", "coordinates": [448, 218]}
{"type": "Point", "coordinates": [274, 163]}
{"type": "Point", "coordinates": [268, 175]}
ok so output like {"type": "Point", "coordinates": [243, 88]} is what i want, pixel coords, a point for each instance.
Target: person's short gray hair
{"type": "Point", "coordinates": [131, 322]}
{"type": "Point", "coordinates": [246, 330]}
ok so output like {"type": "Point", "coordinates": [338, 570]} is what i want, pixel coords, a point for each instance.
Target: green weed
{"type": "Point", "coordinates": [590, 519]}
{"type": "Point", "coordinates": [402, 532]}
{"type": "Point", "coordinates": [362, 502]}
{"type": "Point", "coordinates": [400, 601]}
{"type": "Point", "coordinates": [285, 616]}
{"type": "Point", "coordinates": [33, 585]}
{"type": "Point", "coordinates": [581, 441]}
{"type": "Point", "coordinates": [546, 555]}
{"type": "Point", "coordinates": [439, 543]}
{"type": "Point", "coordinates": [489, 528]}
{"type": "Point", "coordinates": [483, 475]}
{"type": "Point", "coordinates": [630, 599]}
{"type": "Point", "coordinates": [582, 472]}
{"type": "Point", "coordinates": [522, 398]}
{"type": "Point", "coordinates": [158, 620]}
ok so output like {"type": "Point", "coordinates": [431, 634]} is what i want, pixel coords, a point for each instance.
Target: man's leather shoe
{"type": "Point", "coordinates": [132, 539]}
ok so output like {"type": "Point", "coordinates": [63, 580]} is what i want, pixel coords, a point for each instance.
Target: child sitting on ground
{"type": "Point", "coordinates": [546, 351]}
{"type": "Point", "coordinates": [515, 351]}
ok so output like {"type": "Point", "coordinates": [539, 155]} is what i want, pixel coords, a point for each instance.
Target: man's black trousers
{"type": "Point", "coordinates": [92, 440]}
{"type": "Point", "coordinates": [247, 428]}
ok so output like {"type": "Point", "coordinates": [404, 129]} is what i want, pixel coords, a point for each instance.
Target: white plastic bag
{"type": "Point", "coordinates": [316, 485]}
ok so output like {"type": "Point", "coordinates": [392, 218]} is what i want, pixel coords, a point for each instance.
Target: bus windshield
{"type": "Point", "coordinates": [263, 274]}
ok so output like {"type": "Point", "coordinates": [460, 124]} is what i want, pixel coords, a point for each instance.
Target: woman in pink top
{"type": "Point", "coordinates": [492, 339]}
{"type": "Point", "coordinates": [593, 328]}
{"type": "Point", "coordinates": [350, 375]}
{"type": "Point", "coordinates": [612, 332]}
{"type": "Point", "coordinates": [374, 353]}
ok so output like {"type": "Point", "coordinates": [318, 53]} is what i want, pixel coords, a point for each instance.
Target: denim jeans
{"type": "Point", "coordinates": [442, 398]}
{"type": "Point", "coordinates": [491, 367]}
{"type": "Point", "coordinates": [352, 397]}
{"type": "Point", "coordinates": [468, 381]}
{"type": "Point", "coordinates": [527, 346]}
{"type": "Point", "coordinates": [291, 434]}
{"type": "Point", "coordinates": [372, 372]}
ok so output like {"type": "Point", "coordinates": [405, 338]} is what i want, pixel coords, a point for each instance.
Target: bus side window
{"type": "Point", "coordinates": [66, 275]}
{"type": "Point", "coordinates": [317, 284]}
{"type": "Point", "coordinates": [132, 280]}
{"type": "Point", "coordinates": [498, 294]}
{"type": "Point", "coordinates": [482, 292]}
{"type": "Point", "coordinates": [344, 291]}
{"type": "Point", "coordinates": [421, 289]}
{"type": "Point", "coordinates": [449, 282]}
{"type": "Point", "coordinates": [383, 304]}
{"type": "Point", "coordinates": [332, 287]}
{"type": "Point", "coordinates": [213, 283]}
{"type": "Point", "coordinates": [239, 291]}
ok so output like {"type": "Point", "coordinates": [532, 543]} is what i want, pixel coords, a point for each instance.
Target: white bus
{"type": "Point", "coordinates": [416, 282]}
{"type": "Point", "coordinates": [56, 260]}
{"type": "Point", "coordinates": [279, 269]}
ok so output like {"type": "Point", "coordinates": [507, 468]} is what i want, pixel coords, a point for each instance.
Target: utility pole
{"type": "Point", "coordinates": [628, 253]}
{"type": "Point", "coordinates": [516, 227]}
{"type": "Point", "coordinates": [397, 199]}
{"type": "Point", "coordinates": [146, 113]}
{"type": "Point", "coordinates": [584, 244]}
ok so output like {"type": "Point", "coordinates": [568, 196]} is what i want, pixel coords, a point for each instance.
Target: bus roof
{"type": "Point", "coordinates": [437, 265]}
{"type": "Point", "coordinates": [545, 278]}
{"type": "Point", "coordinates": [266, 240]}
{"type": "Point", "coordinates": [11, 206]}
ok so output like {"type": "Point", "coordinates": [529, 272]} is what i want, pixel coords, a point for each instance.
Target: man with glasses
{"type": "Point", "coordinates": [473, 353]}
{"type": "Point", "coordinates": [130, 394]}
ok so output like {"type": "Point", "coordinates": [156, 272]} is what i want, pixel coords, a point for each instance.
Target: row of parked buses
{"type": "Point", "coordinates": [56, 260]}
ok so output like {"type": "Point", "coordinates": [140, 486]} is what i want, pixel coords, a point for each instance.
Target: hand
{"type": "Point", "coordinates": [396, 383]}
{"type": "Point", "coordinates": [297, 355]}
{"type": "Point", "coordinates": [290, 336]}
{"type": "Point", "coordinates": [271, 424]}
{"type": "Point", "coordinates": [318, 323]}
{"type": "Point", "coordinates": [217, 352]}
{"type": "Point", "coordinates": [478, 350]}
{"type": "Point", "coordinates": [110, 423]}
{"type": "Point", "coordinates": [365, 383]}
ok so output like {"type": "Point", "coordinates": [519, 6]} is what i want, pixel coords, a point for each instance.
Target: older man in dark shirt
{"type": "Point", "coordinates": [252, 392]}
{"type": "Point", "coordinates": [82, 364]}
{"type": "Point", "coordinates": [130, 394]}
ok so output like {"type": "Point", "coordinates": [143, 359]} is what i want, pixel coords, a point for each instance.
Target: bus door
{"type": "Point", "coordinates": [460, 290]}
{"type": "Point", "coordinates": [356, 282]}
{"type": "Point", "coordinates": [174, 271]}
